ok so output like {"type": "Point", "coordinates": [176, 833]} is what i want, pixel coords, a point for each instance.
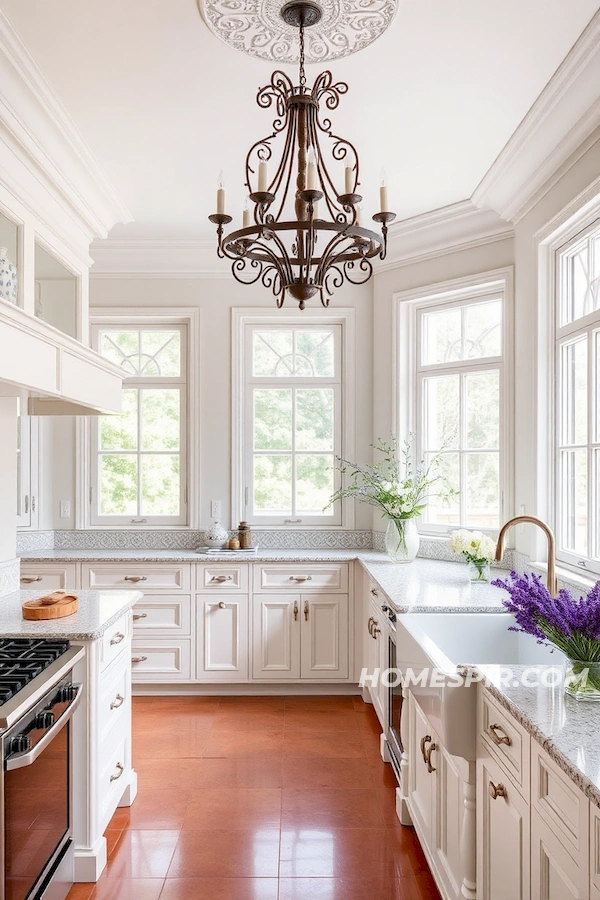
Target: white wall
{"type": "Point", "coordinates": [215, 299]}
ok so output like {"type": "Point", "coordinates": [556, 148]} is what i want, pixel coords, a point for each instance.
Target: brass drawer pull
{"type": "Point", "coordinates": [501, 738]}
{"type": "Point", "coordinates": [117, 702]}
{"type": "Point", "coordinates": [295, 610]}
{"type": "Point", "coordinates": [119, 773]}
{"type": "Point", "coordinates": [428, 753]}
{"type": "Point", "coordinates": [136, 578]}
{"type": "Point", "coordinates": [496, 790]}
{"type": "Point", "coordinates": [424, 741]}
{"type": "Point", "coordinates": [375, 630]}
{"type": "Point", "coordinates": [300, 579]}
{"type": "Point", "coordinates": [219, 579]}
{"type": "Point", "coordinates": [137, 616]}
{"type": "Point", "coordinates": [375, 592]}
{"type": "Point", "coordinates": [138, 658]}
{"type": "Point", "coordinates": [30, 579]}
{"type": "Point", "coordinates": [306, 609]}
{"type": "Point", "coordinates": [370, 625]}
{"type": "Point", "coordinates": [117, 638]}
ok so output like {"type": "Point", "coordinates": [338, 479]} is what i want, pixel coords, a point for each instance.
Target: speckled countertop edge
{"type": "Point", "coordinates": [59, 628]}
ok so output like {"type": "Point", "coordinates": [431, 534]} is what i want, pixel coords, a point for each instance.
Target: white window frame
{"type": "Point", "coordinates": [86, 474]}
{"type": "Point", "coordinates": [585, 327]}
{"type": "Point", "coordinates": [28, 458]}
{"type": "Point", "coordinates": [243, 322]}
{"type": "Point", "coordinates": [409, 307]}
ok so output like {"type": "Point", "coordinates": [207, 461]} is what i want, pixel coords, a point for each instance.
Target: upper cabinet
{"type": "Point", "coordinates": [9, 245]}
{"type": "Point", "coordinates": [56, 293]}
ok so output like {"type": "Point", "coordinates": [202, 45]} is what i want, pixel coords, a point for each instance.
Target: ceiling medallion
{"type": "Point", "coordinates": [292, 246]}
{"type": "Point", "coordinates": [256, 27]}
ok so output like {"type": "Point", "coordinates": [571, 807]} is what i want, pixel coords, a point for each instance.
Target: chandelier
{"type": "Point", "coordinates": [303, 236]}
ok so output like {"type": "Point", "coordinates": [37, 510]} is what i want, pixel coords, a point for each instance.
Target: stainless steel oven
{"type": "Point", "coordinates": [36, 787]}
{"type": "Point", "coordinates": [394, 704]}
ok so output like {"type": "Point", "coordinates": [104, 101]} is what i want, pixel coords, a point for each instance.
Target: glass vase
{"type": "Point", "coordinates": [582, 680]}
{"type": "Point", "coordinates": [479, 572]}
{"type": "Point", "coordinates": [402, 540]}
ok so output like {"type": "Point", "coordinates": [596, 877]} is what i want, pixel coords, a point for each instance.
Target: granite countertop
{"type": "Point", "coordinates": [98, 610]}
{"type": "Point", "coordinates": [425, 585]}
{"type": "Point", "coordinates": [566, 728]}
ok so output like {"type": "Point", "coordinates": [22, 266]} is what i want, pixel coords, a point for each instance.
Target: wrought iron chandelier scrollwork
{"type": "Point", "coordinates": [292, 246]}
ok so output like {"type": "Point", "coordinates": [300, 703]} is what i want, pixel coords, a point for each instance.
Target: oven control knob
{"type": "Point", "coordinates": [20, 743]}
{"type": "Point", "coordinates": [44, 719]}
{"type": "Point", "coordinates": [66, 693]}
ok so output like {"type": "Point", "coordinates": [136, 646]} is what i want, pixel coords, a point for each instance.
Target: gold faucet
{"type": "Point", "coordinates": [551, 577]}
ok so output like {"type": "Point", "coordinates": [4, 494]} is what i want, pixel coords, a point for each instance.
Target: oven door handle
{"type": "Point", "coordinates": [20, 760]}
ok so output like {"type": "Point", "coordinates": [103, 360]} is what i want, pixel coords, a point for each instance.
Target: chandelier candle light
{"type": "Point", "coordinates": [292, 246]}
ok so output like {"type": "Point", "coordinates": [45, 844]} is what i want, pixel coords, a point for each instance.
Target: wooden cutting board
{"type": "Point", "coordinates": [53, 606]}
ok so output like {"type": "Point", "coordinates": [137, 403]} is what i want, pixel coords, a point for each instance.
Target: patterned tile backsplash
{"type": "Point", "coordinates": [189, 540]}
{"type": "Point", "coordinates": [9, 576]}
{"type": "Point", "coordinates": [34, 540]}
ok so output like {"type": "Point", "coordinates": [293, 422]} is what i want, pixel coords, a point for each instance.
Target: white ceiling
{"type": "Point", "coordinates": [164, 105]}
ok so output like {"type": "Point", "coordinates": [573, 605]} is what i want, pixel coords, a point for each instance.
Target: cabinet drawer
{"type": "Point", "coordinates": [49, 578]}
{"type": "Point", "coordinates": [114, 700]}
{"type": "Point", "coordinates": [167, 615]}
{"type": "Point", "coordinates": [143, 576]}
{"type": "Point", "coordinates": [166, 661]}
{"type": "Point", "coordinates": [222, 578]}
{"type": "Point", "coordinates": [559, 802]}
{"type": "Point", "coordinates": [115, 640]}
{"type": "Point", "coordinates": [302, 577]}
{"type": "Point", "coordinates": [507, 741]}
{"type": "Point", "coordinates": [113, 780]}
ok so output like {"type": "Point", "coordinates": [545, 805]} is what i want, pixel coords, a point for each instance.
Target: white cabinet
{"type": "Point", "coordinates": [27, 468]}
{"type": "Point", "coordinates": [422, 773]}
{"type": "Point", "coordinates": [503, 834]}
{"type": "Point", "coordinates": [555, 874]}
{"type": "Point", "coordinates": [103, 777]}
{"type": "Point", "coordinates": [222, 637]}
{"type": "Point", "coordinates": [49, 576]}
{"type": "Point", "coordinates": [300, 636]}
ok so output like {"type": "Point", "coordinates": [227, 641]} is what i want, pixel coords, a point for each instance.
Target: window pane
{"type": "Point", "coordinates": [573, 364]}
{"type": "Point", "coordinates": [314, 354]}
{"type": "Point", "coordinates": [443, 508]}
{"type": "Point", "coordinates": [160, 485]}
{"type": "Point", "coordinates": [161, 354]}
{"type": "Point", "coordinates": [574, 500]}
{"type": "Point", "coordinates": [273, 485]}
{"type": "Point", "coordinates": [160, 419]}
{"type": "Point", "coordinates": [483, 329]}
{"type": "Point", "coordinates": [483, 409]}
{"type": "Point", "coordinates": [272, 353]}
{"type": "Point", "coordinates": [442, 412]}
{"type": "Point", "coordinates": [272, 419]}
{"type": "Point", "coordinates": [596, 506]}
{"type": "Point", "coordinates": [121, 432]}
{"type": "Point", "coordinates": [482, 490]}
{"type": "Point", "coordinates": [121, 348]}
{"type": "Point", "coordinates": [314, 483]}
{"type": "Point", "coordinates": [314, 419]}
{"type": "Point", "coordinates": [442, 340]}
{"type": "Point", "coordinates": [118, 478]}
{"type": "Point", "coordinates": [596, 388]}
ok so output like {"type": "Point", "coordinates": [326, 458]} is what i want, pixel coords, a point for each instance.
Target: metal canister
{"type": "Point", "coordinates": [245, 536]}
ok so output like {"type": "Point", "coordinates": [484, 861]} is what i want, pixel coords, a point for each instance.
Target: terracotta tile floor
{"type": "Point", "coordinates": [278, 798]}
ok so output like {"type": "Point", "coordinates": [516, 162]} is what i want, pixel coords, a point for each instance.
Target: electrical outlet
{"type": "Point", "coordinates": [215, 509]}
{"type": "Point", "coordinates": [65, 509]}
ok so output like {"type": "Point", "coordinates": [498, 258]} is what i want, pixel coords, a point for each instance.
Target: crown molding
{"type": "Point", "coordinates": [35, 124]}
{"type": "Point", "coordinates": [460, 226]}
{"type": "Point", "coordinates": [158, 259]}
{"type": "Point", "coordinates": [564, 115]}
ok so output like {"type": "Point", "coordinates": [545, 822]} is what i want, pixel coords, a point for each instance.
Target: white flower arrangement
{"type": "Point", "coordinates": [475, 546]}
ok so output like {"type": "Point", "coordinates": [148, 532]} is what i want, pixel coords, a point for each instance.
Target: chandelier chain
{"type": "Point", "coordinates": [302, 78]}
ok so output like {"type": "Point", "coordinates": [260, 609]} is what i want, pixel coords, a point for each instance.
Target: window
{"type": "Point", "coordinates": [290, 432]}
{"type": "Point", "coordinates": [138, 460]}
{"type": "Point", "coordinates": [578, 399]}
{"type": "Point", "coordinates": [459, 408]}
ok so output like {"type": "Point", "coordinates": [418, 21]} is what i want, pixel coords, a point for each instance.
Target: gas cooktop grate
{"type": "Point", "coordinates": [22, 659]}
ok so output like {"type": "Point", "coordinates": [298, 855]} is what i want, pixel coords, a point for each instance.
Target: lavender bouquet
{"type": "Point", "coordinates": [573, 626]}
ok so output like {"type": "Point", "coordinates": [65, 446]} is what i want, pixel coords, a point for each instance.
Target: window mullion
{"type": "Point", "coordinates": [462, 399]}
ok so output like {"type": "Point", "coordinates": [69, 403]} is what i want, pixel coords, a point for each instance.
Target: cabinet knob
{"type": "Point", "coordinates": [222, 604]}
{"type": "Point", "coordinates": [496, 790]}
{"type": "Point", "coordinates": [501, 738]}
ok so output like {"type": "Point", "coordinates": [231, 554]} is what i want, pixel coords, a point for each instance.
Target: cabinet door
{"type": "Point", "coordinates": [222, 647]}
{"type": "Point", "coordinates": [324, 636]}
{"type": "Point", "coordinates": [276, 636]}
{"type": "Point", "coordinates": [555, 875]}
{"type": "Point", "coordinates": [422, 778]}
{"type": "Point", "coordinates": [503, 835]}
{"type": "Point", "coordinates": [450, 773]}
{"type": "Point", "coordinates": [27, 467]}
